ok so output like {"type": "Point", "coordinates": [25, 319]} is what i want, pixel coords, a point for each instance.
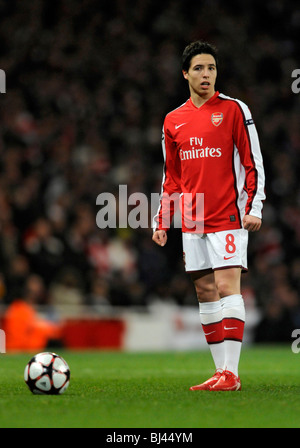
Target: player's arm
{"type": "Point", "coordinates": [171, 189]}
{"type": "Point", "coordinates": [247, 142]}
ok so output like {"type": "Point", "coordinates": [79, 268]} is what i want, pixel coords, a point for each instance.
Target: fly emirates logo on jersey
{"type": "Point", "coordinates": [198, 151]}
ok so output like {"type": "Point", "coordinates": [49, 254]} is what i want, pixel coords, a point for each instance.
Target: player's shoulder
{"type": "Point", "coordinates": [174, 113]}
{"type": "Point", "coordinates": [235, 103]}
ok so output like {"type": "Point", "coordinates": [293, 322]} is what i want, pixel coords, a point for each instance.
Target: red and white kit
{"type": "Point", "coordinates": [212, 153]}
{"type": "Point", "coordinates": [213, 150]}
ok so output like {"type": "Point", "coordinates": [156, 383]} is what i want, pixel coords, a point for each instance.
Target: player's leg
{"type": "Point", "coordinates": [228, 254]}
{"type": "Point", "coordinates": [210, 311]}
{"type": "Point", "coordinates": [233, 313]}
{"type": "Point", "coordinates": [198, 265]}
{"type": "Point", "coordinates": [211, 319]}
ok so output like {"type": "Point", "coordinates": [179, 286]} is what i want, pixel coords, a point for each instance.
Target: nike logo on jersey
{"type": "Point", "coordinates": [230, 328]}
{"type": "Point", "coordinates": [228, 258]}
{"type": "Point", "coordinates": [179, 125]}
{"type": "Point", "coordinates": [207, 334]}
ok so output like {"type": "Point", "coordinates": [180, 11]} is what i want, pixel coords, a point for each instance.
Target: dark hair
{"type": "Point", "coordinates": [195, 48]}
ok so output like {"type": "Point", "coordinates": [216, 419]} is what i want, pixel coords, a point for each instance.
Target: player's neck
{"type": "Point", "coordinates": [199, 100]}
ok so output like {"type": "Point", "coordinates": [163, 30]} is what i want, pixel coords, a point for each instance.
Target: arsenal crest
{"type": "Point", "coordinates": [217, 118]}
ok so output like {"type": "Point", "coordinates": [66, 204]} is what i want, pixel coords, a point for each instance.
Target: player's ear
{"type": "Point", "coordinates": [185, 74]}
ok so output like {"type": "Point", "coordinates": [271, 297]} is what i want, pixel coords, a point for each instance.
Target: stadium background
{"type": "Point", "coordinates": [88, 85]}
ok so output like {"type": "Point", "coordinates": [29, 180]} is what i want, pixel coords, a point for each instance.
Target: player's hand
{"type": "Point", "coordinates": [251, 223]}
{"type": "Point", "coordinates": [160, 237]}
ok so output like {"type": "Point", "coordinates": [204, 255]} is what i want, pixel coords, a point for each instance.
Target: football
{"type": "Point", "coordinates": [47, 374]}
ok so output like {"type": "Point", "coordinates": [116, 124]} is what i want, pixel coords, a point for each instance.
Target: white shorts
{"type": "Point", "coordinates": [215, 250]}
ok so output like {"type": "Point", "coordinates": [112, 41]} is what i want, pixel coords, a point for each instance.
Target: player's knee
{"type": "Point", "coordinates": [224, 287]}
{"type": "Point", "coordinates": [206, 292]}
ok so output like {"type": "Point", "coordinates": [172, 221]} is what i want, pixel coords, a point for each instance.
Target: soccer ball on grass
{"type": "Point", "coordinates": [47, 374]}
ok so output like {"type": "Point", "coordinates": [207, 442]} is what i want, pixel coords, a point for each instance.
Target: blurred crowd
{"type": "Point", "coordinates": [88, 85]}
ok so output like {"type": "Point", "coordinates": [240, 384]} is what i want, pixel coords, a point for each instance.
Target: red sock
{"type": "Point", "coordinates": [233, 329]}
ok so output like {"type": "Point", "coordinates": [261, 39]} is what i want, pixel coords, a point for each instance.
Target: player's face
{"type": "Point", "coordinates": [202, 75]}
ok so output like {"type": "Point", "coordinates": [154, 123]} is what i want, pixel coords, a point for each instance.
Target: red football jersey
{"type": "Point", "coordinates": [211, 153]}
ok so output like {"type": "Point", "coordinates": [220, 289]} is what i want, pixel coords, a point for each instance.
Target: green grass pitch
{"type": "Point", "coordinates": [151, 390]}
